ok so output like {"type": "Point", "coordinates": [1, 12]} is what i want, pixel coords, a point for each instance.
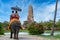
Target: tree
{"type": "Point", "coordinates": [25, 23]}
{"type": "Point", "coordinates": [1, 28]}
{"type": "Point", "coordinates": [6, 24]}
{"type": "Point", "coordinates": [58, 23]}
{"type": "Point", "coordinates": [52, 30]}
{"type": "Point", "coordinates": [35, 28]}
{"type": "Point", "coordinates": [47, 24]}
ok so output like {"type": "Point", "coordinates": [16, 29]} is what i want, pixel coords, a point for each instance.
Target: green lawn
{"type": "Point", "coordinates": [48, 31]}
{"type": "Point", "coordinates": [7, 31]}
{"type": "Point", "coordinates": [25, 30]}
{"type": "Point", "coordinates": [57, 36]}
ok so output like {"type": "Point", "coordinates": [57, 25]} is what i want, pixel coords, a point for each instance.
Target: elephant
{"type": "Point", "coordinates": [14, 29]}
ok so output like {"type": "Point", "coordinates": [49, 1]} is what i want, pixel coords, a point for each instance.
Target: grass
{"type": "Point", "coordinates": [48, 31]}
{"type": "Point", "coordinates": [57, 36]}
{"type": "Point", "coordinates": [7, 30]}
{"type": "Point", "coordinates": [25, 30]}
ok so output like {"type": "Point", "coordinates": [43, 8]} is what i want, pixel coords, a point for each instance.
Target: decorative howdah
{"type": "Point", "coordinates": [15, 24]}
{"type": "Point", "coordinates": [14, 17]}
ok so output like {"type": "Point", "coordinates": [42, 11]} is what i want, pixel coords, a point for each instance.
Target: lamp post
{"type": "Point", "coordinates": [52, 30]}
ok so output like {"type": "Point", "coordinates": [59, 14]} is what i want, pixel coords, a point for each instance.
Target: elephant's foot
{"type": "Point", "coordinates": [10, 37]}
{"type": "Point", "coordinates": [15, 37]}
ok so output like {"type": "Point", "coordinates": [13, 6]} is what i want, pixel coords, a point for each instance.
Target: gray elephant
{"type": "Point", "coordinates": [14, 29]}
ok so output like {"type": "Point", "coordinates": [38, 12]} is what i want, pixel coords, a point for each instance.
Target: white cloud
{"type": "Point", "coordinates": [46, 12]}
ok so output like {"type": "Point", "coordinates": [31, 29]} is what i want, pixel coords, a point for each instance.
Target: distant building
{"type": "Point", "coordinates": [30, 17]}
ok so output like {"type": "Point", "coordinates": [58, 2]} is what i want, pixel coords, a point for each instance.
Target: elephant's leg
{"type": "Point", "coordinates": [15, 34]}
{"type": "Point", "coordinates": [11, 34]}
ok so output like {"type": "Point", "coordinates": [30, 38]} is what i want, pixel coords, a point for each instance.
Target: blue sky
{"type": "Point", "coordinates": [43, 10]}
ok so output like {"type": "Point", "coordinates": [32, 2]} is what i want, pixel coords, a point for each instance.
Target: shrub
{"type": "Point", "coordinates": [35, 28]}
{"type": "Point", "coordinates": [1, 29]}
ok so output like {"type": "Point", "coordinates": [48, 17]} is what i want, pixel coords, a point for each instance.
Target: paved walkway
{"type": "Point", "coordinates": [21, 37]}
{"type": "Point", "coordinates": [25, 37]}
